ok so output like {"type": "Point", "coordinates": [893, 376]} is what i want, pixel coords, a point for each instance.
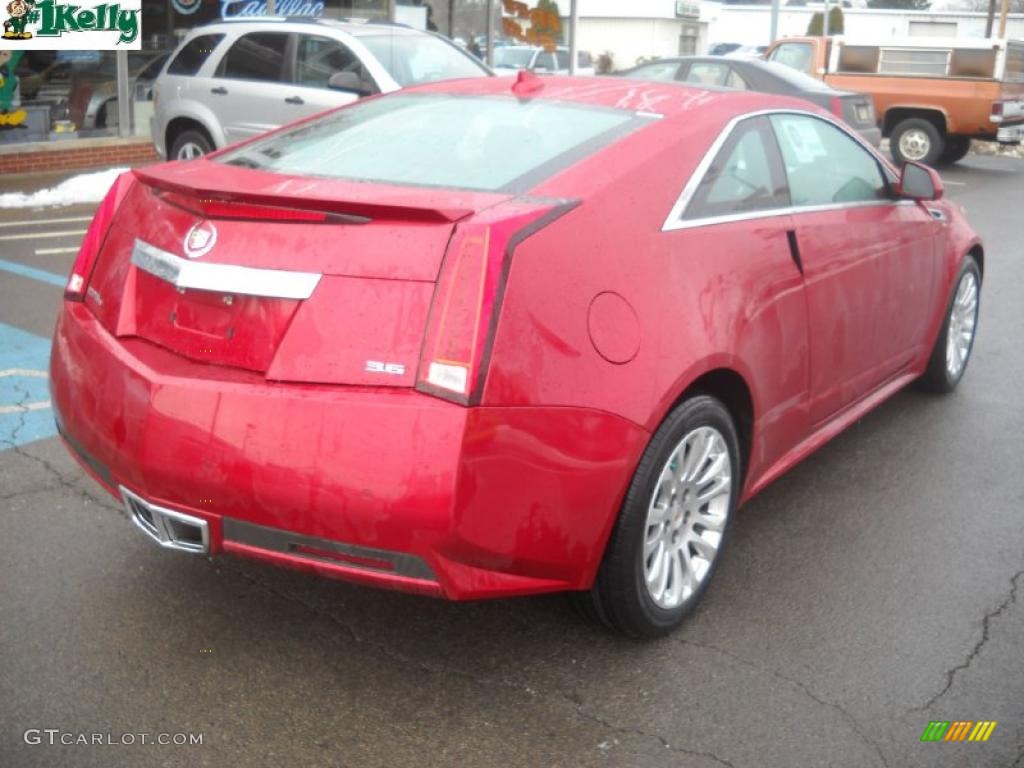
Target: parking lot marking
{"type": "Point", "coordinates": [25, 409]}
{"type": "Point", "coordinates": [34, 222]}
{"type": "Point", "coordinates": [52, 251]}
{"type": "Point", "coordinates": [51, 278]}
{"type": "Point", "coordinates": [39, 235]}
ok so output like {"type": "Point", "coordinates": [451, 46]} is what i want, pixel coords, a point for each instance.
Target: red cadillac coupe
{"type": "Point", "coordinates": [504, 336]}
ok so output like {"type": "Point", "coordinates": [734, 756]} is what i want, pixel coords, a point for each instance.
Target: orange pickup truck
{"type": "Point", "coordinates": [931, 95]}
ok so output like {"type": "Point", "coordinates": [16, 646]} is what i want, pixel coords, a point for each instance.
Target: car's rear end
{"type": "Point", "coordinates": [858, 111]}
{"type": "Point", "coordinates": [281, 352]}
{"type": "Point", "coordinates": [1007, 114]}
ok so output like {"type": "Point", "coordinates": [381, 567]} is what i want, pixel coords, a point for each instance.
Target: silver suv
{"type": "Point", "coordinates": [230, 80]}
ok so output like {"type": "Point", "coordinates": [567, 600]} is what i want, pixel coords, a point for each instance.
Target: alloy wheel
{"type": "Point", "coordinates": [963, 317]}
{"type": "Point", "coordinates": [189, 151]}
{"type": "Point", "coordinates": [686, 517]}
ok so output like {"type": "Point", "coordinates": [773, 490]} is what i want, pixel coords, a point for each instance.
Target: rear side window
{"type": "Point", "coordinates": [664, 71]}
{"type": "Point", "coordinates": [194, 54]}
{"type": "Point", "coordinates": [487, 143]}
{"type": "Point", "coordinates": [824, 166]}
{"type": "Point", "coordinates": [743, 177]}
{"type": "Point", "coordinates": [707, 73]}
{"type": "Point", "coordinates": [256, 56]}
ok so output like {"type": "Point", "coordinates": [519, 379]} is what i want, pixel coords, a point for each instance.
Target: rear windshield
{"type": "Point", "coordinates": [415, 59]}
{"type": "Point", "coordinates": [485, 143]}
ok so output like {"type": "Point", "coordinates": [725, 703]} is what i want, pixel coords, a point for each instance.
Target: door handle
{"type": "Point", "coordinates": [220, 90]}
{"type": "Point", "coordinates": [294, 100]}
{"type": "Point", "coordinates": [794, 249]}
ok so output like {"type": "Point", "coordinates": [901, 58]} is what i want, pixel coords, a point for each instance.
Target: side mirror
{"type": "Point", "coordinates": [347, 81]}
{"type": "Point", "coordinates": [919, 182]}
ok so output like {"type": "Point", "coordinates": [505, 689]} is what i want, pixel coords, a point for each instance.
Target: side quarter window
{"type": "Point", "coordinates": [744, 177]}
{"type": "Point", "coordinates": [824, 166]}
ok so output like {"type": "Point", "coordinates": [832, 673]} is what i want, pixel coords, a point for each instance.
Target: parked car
{"type": "Point", "coordinates": [510, 59]}
{"type": "Point", "coordinates": [767, 77]}
{"type": "Point", "coordinates": [96, 102]}
{"type": "Point", "coordinates": [231, 80]}
{"type": "Point", "coordinates": [496, 337]}
{"type": "Point", "coordinates": [92, 102]}
{"type": "Point", "coordinates": [931, 95]}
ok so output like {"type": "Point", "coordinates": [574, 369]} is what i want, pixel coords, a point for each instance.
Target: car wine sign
{"type": "Point", "coordinates": [83, 25]}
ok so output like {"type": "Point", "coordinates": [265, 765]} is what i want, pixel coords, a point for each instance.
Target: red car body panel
{"type": "Point", "coordinates": [258, 415]}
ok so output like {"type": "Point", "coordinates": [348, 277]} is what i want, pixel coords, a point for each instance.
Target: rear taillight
{"type": "Point", "coordinates": [468, 297]}
{"type": "Point", "coordinates": [836, 106]}
{"type": "Point", "coordinates": [78, 280]}
{"type": "Point", "coordinates": [997, 109]}
{"type": "Point", "coordinates": [215, 208]}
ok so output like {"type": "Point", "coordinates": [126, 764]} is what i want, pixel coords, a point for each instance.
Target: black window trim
{"type": "Point", "coordinates": [675, 219]}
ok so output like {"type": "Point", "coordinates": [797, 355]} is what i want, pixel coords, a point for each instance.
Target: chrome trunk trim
{"type": "Point", "coordinates": [223, 278]}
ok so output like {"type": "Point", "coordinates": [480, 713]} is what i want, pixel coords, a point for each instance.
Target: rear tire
{"type": "Point", "coordinates": [916, 140]}
{"type": "Point", "coordinates": [957, 148]}
{"type": "Point", "coordinates": [673, 525]}
{"type": "Point", "coordinates": [190, 144]}
{"type": "Point", "coordinates": [952, 351]}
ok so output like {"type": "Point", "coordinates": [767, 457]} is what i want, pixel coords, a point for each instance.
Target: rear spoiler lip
{"type": "Point", "coordinates": [382, 209]}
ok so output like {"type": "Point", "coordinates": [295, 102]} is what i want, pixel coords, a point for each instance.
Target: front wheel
{"type": "Point", "coordinates": [673, 524]}
{"type": "Point", "coordinates": [917, 140]}
{"type": "Point", "coordinates": [191, 144]}
{"type": "Point", "coordinates": [953, 348]}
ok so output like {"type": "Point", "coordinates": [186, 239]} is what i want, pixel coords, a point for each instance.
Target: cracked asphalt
{"type": "Point", "coordinates": [876, 587]}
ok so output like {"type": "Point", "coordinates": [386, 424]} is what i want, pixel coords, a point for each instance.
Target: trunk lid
{"type": "Point", "coordinates": [298, 279]}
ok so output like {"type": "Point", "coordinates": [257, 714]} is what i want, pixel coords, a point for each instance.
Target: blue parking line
{"type": "Point", "coordinates": [25, 411]}
{"type": "Point", "coordinates": [32, 273]}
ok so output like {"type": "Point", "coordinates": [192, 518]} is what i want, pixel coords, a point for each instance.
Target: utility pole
{"type": "Point", "coordinates": [271, 7]}
{"type": "Point", "coordinates": [774, 33]}
{"type": "Point", "coordinates": [991, 18]}
{"type": "Point", "coordinates": [574, 18]}
{"type": "Point", "coordinates": [825, 19]}
{"type": "Point", "coordinates": [1002, 18]}
{"type": "Point", "coordinates": [490, 32]}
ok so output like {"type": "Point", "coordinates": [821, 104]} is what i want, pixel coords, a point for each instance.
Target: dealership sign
{"type": "Point", "coordinates": [232, 9]}
{"type": "Point", "coordinates": [84, 25]}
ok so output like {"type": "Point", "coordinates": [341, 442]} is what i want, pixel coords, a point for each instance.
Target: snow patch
{"type": "Point", "coordinates": [84, 188]}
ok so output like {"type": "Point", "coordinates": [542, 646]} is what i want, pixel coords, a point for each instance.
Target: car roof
{"type": "Point", "coordinates": [666, 99]}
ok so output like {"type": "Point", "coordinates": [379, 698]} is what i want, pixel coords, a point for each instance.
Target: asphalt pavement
{"type": "Point", "coordinates": [877, 587]}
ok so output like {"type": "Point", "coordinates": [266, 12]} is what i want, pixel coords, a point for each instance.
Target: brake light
{"type": "Point", "coordinates": [78, 280]}
{"type": "Point", "coordinates": [464, 312]}
{"type": "Point", "coordinates": [213, 208]}
{"type": "Point", "coordinates": [997, 109]}
{"type": "Point", "coordinates": [836, 106]}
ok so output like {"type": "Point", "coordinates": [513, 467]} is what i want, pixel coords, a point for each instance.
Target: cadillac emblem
{"type": "Point", "coordinates": [200, 239]}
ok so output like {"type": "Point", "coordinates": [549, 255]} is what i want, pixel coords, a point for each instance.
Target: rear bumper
{"type": "Point", "coordinates": [386, 487]}
{"type": "Point", "coordinates": [1010, 134]}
